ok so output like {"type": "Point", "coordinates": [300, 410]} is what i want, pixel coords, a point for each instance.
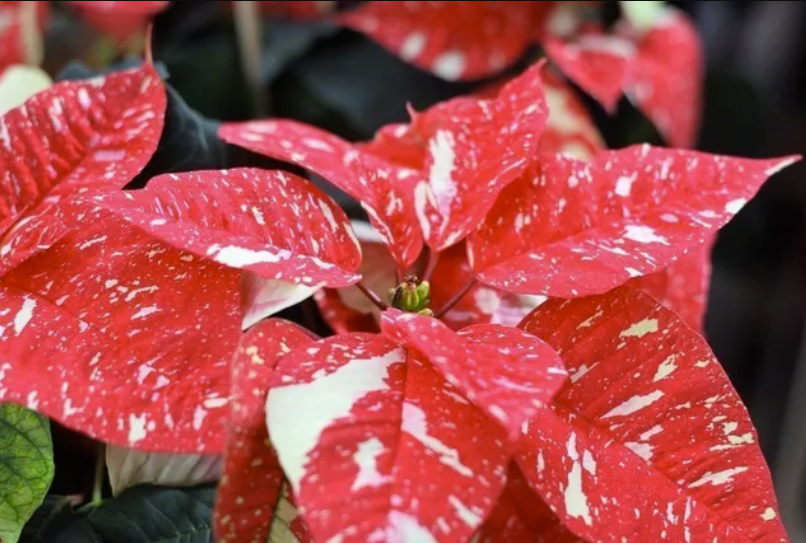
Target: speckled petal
{"type": "Point", "coordinates": [123, 338]}
{"type": "Point", "coordinates": [506, 372]}
{"type": "Point", "coordinates": [571, 228]}
{"type": "Point", "coordinates": [270, 222]}
{"type": "Point", "coordinates": [381, 447]}
{"type": "Point", "coordinates": [648, 440]}
{"type": "Point", "coordinates": [249, 491]}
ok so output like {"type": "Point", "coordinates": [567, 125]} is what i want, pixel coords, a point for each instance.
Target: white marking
{"type": "Point", "coordinates": [328, 213]}
{"type": "Point", "coordinates": [415, 424]}
{"type": "Point", "coordinates": [317, 404]}
{"type": "Point", "coordinates": [780, 166]}
{"type": "Point", "coordinates": [641, 328]}
{"type": "Point", "coordinates": [404, 528]}
{"type": "Point", "coordinates": [467, 516]}
{"type": "Point", "coordinates": [238, 257]}
{"type": "Point", "coordinates": [24, 315]}
{"type": "Point", "coordinates": [412, 46]}
{"type": "Point", "coordinates": [734, 206]}
{"type": "Point", "coordinates": [624, 184]}
{"type": "Point", "coordinates": [589, 463]}
{"type": "Point", "coordinates": [92, 242]}
{"type": "Point", "coordinates": [145, 312]}
{"type": "Point", "coordinates": [636, 403]}
{"type": "Point", "coordinates": [718, 478]}
{"type": "Point", "coordinates": [576, 502]}
{"type": "Point", "coordinates": [440, 147]}
{"type": "Point", "coordinates": [643, 234]}
{"type": "Point", "coordinates": [258, 214]}
{"type": "Point", "coordinates": [665, 369]}
{"type": "Point", "coordinates": [768, 514]}
{"type": "Point", "coordinates": [644, 450]}
{"type": "Point", "coordinates": [137, 428]}
{"type": "Point", "coordinates": [198, 417]}
{"type": "Point", "coordinates": [449, 65]}
{"type": "Point", "coordinates": [366, 457]}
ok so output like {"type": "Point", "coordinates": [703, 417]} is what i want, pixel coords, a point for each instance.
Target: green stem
{"type": "Point", "coordinates": [100, 472]}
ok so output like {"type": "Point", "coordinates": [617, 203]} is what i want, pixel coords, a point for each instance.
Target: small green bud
{"type": "Point", "coordinates": [409, 301]}
{"type": "Point", "coordinates": [391, 293]}
{"type": "Point", "coordinates": [426, 312]}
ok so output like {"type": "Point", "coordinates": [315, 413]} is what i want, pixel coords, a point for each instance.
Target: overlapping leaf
{"type": "Point", "coordinates": [506, 372]}
{"type": "Point", "coordinates": [666, 87]}
{"type": "Point", "coordinates": [453, 40]}
{"type": "Point", "coordinates": [271, 223]}
{"type": "Point", "coordinates": [572, 228]}
{"type": "Point", "coordinates": [73, 138]}
{"type": "Point", "coordinates": [122, 337]}
{"type": "Point", "coordinates": [380, 188]}
{"type": "Point", "coordinates": [120, 20]}
{"type": "Point", "coordinates": [468, 150]}
{"type": "Point", "coordinates": [369, 422]}
{"type": "Point", "coordinates": [128, 467]}
{"type": "Point", "coordinates": [250, 489]}
{"type": "Point", "coordinates": [648, 440]}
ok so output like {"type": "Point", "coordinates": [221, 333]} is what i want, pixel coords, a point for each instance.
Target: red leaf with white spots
{"type": "Point", "coordinates": [683, 286]}
{"type": "Point", "coordinates": [116, 335]}
{"type": "Point", "coordinates": [453, 40]}
{"type": "Point", "coordinates": [469, 151]}
{"type": "Point", "coordinates": [21, 26]}
{"type": "Point", "coordinates": [248, 494]}
{"type": "Point", "coordinates": [74, 137]}
{"type": "Point", "coordinates": [648, 440]}
{"type": "Point", "coordinates": [380, 447]}
{"type": "Point", "coordinates": [381, 188]}
{"type": "Point", "coordinates": [666, 78]}
{"type": "Point", "coordinates": [569, 129]}
{"type": "Point", "coordinates": [27, 237]}
{"type": "Point", "coordinates": [272, 223]}
{"type": "Point", "coordinates": [505, 371]}
{"type": "Point", "coordinates": [570, 228]}
{"type": "Point", "coordinates": [597, 62]}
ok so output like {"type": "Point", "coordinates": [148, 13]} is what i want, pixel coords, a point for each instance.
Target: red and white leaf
{"type": "Point", "coordinates": [122, 8]}
{"type": "Point", "coordinates": [469, 150]}
{"type": "Point", "coordinates": [506, 372]}
{"type": "Point", "coordinates": [569, 129]}
{"type": "Point", "coordinates": [128, 468]}
{"type": "Point", "coordinates": [570, 228]}
{"type": "Point", "coordinates": [377, 446]}
{"type": "Point", "coordinates": [123, 338]}
{"type": "Point", "coordinates": [27, 237]}
{"type": "Point", "coordinates": [74, 137]}
{"type": "Point", "coordinates": [382, 189]}
{"type": "Point", "coordinates": [599, 63]}
{"type": "Point", "coordinates": [683, 286]}
{"type": "Point", "coordinates": [21, 25]}
{"type": "Point", "coordinates": [270, 222]}
{"type": "Point", "coordinates": [453, 40]}
{"type": "Point", "coordinates": [648, 440]}
{"type": "Point", "coordinates": [251, 487]}
{"type": "Point", "coordinates": [666, 79]}
{"type": "Point", "coordinates": [298, 9]}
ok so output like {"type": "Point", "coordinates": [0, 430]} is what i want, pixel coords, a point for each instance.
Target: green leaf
{"type": "Point", "coordinates": [26, 467]}
{"type": "Point", "coordinates": [151, 514]}
{"type": "Point", "coordinates": [55, 522]}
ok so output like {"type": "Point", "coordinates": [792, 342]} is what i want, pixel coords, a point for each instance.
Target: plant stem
{"type": "Point", "coordinates": [455, 300]}
{"type": "Point", "coordinates": [371, 295]}
{"type": "Point", "coordinates": [430, 266]}
{"type": "Point", "coordinates": [98, 482]}
{"type": "Point", "coordinates": [248, 29]}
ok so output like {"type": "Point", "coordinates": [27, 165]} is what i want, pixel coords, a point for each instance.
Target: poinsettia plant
{"type": "Point", "coordinates": [512, 345]}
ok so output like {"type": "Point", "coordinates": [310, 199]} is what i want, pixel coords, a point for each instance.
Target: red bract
{"type": "Point", "coordinates": [453, 40]}
{"type": "Point", "coordinates": [298, 9]}
{"type": "Point", "coordinates": [349, 310]}
{"type": "Point", "coordinates": [115, 334]}
{"type": "Point", "coordinates": [21, 26]}
{"type": "Point", "coordinates": [70, 139]}
{"type": "Point", "coordinates": [272, 223]}
{"type": "Point", "coordinates": [119, 19]}
{"type": "Point", "coordinates": [250, 488]}
{"type": "Point", "coordinates": [571, 228]}
{"type": "Point", "coordinates": [443, 170]}
{"type": "Point", "coordinates": [506, 372]}
{"type": "Point", "coordinates": [659, 70]}
{"type": "Point", "coordinates": [379, 189]}
{"type": "Point", "coordinates": [648, 440]}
